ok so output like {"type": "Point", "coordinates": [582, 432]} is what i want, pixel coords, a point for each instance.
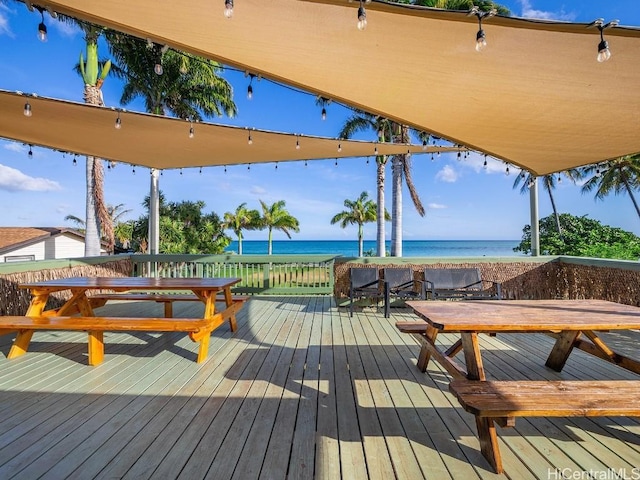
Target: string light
{"type": "Point", "coordinates": [324, 113]}
{"type": "Point", "coordinates": [432, 159]}
{"type": "Point", "coordinates": [228, 8]}
{"type": "Point", "coordinates": [225, 169]}
{"type": "Point", "coordinates": [481, 38]}
{"type": "Point", "coordinates": [424, 145]}
{"type": "Point", "coordinates": [362, 17]}
{"type": "Point", "coordinates": [337, 162]}
{"type": "Point", "coordinates": [42, 28]}
{"type": "Point", "coordinates": [200, 171]}
{"type": "Point", "coordinates": [375, 150]}
{"type": "Point", "coordinates": [276, 165]}
{"type": "Point", "coordinates": [250, 140]}
{"type": "Point", "coordinates": [339, 147]}
{"type": "Point", "coordinates": [30, 152]}
{"type": "Point", "coordinates": [604, 53]}
{"type": "Point", "coordinates": [248, 166]}
{"type": "Point", "coordinates": [191, 131]}
{"type": "Point", "coordinates": [118, 124]}
{"type": "Point", "coordinates": [27, 109]}
{"type": "Point", "coordinates": [75, 162]}
{"type": "Point", "coordinates": [250, 87]}
{"type": "Point", "coordinates": [180, 171]}
{"type": "Point", "coordinates": [485, 161]}
{"type": "Point", "coordinates": [507, 171]}
{"type": "Point", "coordinates": [305, 163]}
{"type": "Point", "coordinates": [297, 143]}
{"type": "Point", "coordinates": [133, 169]}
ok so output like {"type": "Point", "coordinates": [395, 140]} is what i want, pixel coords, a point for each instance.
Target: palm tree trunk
{"type": "Point", "coordinates": [360, 241]}
{"type": "Point", "coordinates": [92, 227]}
{"type": "Point", "coordinates": [381, 234]}
{"type": "Point", "coordinates": [555, 212]}
{"type": "Point", "coordinates": [269, 249]}
{"type": "Point", "coordinates": [239, 243]}
{"type": "Point", "coordinates": [633, 199]}
{"type": "Point", "coordinates": [396, 206]}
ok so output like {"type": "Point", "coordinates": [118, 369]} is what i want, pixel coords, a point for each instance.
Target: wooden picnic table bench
{"type": "Point", "coordinates": [100, 299]}
{"type": "Point", "coordinates": [199, 330]}
{"type": "Point", "coordinates": [499, 402]}
{"type": "Point", "coordinates": [202, 289]}
{"type": "Point", "coordinates": [578, 323]}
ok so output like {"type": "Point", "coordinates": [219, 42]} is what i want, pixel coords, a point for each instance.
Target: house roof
{"type": "Point", "coordinates": [12, 238]}
{"type": "Point", "coordinates": [535, 97]}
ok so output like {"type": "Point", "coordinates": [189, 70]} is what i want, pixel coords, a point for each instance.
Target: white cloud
{"type": "Point", "coordinates": [529, 12]}
{"type": "Point", "coordinates": [13, 180]}
{"type": "Point", "coordinates": [65, 29]}
{"type": "Point", "coordinates": [436, 206]}
{"type": "Point", "coordinates": [257, 190]}
{"type": "Point", "coordinates": [14, 147]}
{"type": "Point", "coordinates": [4, 21]}
{"type": "Point", "coordinates": [447, 174]}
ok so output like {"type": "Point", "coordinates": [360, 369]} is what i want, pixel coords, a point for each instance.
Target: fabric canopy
{"type": "Point", "coordinates": [535, 97]}
{"type": "Point", "coordinates": [160, 142]}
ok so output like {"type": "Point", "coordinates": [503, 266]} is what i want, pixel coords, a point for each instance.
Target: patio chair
{"type": "Point", "coordinates": [399, 283]}
{"type": "Point", "coordinates": [363, 283]}
{"type": "Point", "coordinates": [458, 283]}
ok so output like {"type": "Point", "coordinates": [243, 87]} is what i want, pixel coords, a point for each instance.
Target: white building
{"type": "Point", "coordinates": [19, 244]}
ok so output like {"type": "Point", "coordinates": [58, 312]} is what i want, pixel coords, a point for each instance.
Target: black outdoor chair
{"type": "Point", "coordinates": [458, 283]}
{"type": "Point", "coordinates": [400, 283]}
{"type": "Point", "coordinates": [363, 283]}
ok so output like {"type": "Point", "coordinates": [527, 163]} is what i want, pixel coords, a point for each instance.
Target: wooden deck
{"type": "Point", "coordinates": [300, 391]}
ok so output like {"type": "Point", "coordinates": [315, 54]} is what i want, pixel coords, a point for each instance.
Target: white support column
{"type": "Point", "coordinates": [535, 231]}
{"type": "Point", "coordinates": [154, 218]}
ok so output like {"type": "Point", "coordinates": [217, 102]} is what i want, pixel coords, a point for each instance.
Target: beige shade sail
{"type": "Point", "coordinates": [161, 142]}
{"type": "Point", "coordinates": [535, 97]}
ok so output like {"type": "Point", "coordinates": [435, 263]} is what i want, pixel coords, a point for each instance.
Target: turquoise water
{"type": "Point", "coordinates": [410, 248]}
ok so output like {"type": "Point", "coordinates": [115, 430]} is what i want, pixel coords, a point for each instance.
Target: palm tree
{"type": "Point", "coordinates": [621, 175]}
{"type": "Point", "coordinates": [360, 211]}
{"type": "Point", "coordinates": [358, 122]}
{"type": "Point", "coordinates": [388, 131]}
{"type": "Point", "coordinates": [114, 215]}
{"type": "Point", "coordinates": [549, 183]}
{"type": "Point", "coordinates": [169, 82]}
{"type": "Point", "coordinates": [242, 219]}
{"type": "Point", "coordinates": [275, 216]}
{"type": "Point", "coordinates": [93, 74]}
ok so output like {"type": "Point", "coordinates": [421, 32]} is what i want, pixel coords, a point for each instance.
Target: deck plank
{"type": "Point", "coordinates": [301, 390]}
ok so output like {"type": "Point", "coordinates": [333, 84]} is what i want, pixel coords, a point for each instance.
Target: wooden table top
{"type": "Point", "coordinates": [134, 283]}
{"type": "Point", "coordinates": [527, 315]}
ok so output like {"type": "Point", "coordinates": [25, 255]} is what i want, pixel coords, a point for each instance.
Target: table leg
{"type": "Point", "coordinates": [96, 347]}
{"type": "Point", "coordinates": [486, 427]}
{"type": "Point", "coordinates": [425, 353]}
{"type": "Point", "coordinates": [562, 349]}
{"type": "Point", "coordinates": [20, 344]}
{"type": "Point", "coordinates": [228, 299]}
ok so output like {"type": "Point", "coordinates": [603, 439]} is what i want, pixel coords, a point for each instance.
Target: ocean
{"type": "Point", "coordinates": [410, 248]}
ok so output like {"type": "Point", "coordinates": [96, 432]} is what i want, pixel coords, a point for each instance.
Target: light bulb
{"type": "Point", "coordinates": [362, 18]}
{"type": "Point", "coordinates": [250, 141]}
{"type": "Point", "coordinates": [158, 69]}
{"type": "Point", "coordinates": [375, 150]}
{"type": "Point", "coordinates": [424, 145]}
{"type": "Point", "coordinates": [297, 145]}
{"type": "Point", "coordinates": [118, 124]}
{"type": "Point", "coordinates": [339, 147]}
{"type": "Point", "coordinates": [604, 53]}
{"type": "Point", "coordinates": [481, 41]}
{"type": "Point", "coordinates": [27, 109]}
{"type": "Point", "coordinates": [228, 8]}
{"type": "Point", "coordinates": [42, 32]}
{"type": "Point", "coordinates": [30, 152]}
{"type": "Point", "coordinates": [249, 92]}
{"type": "Point", "coordinates": [324, 114]}
{"type": "Point", "coordinates": [191, 132]}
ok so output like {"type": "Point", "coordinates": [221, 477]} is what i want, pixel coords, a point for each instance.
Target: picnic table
{"type": "Point", "coordinates": [575, 323]}
{"type": "Point", "coordinates": [80, 302]}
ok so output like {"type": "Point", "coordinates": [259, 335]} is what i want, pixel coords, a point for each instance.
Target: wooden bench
{"type": "Point", "coordinates": [199, 330]}
{"type": "Point", "coordinates": [100, 299]}
{"type": "Point", "coordinates": [499, 402]}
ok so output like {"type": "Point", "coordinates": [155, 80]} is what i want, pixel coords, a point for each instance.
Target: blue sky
{"type": "Point", "coordinates": [463, 200]}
